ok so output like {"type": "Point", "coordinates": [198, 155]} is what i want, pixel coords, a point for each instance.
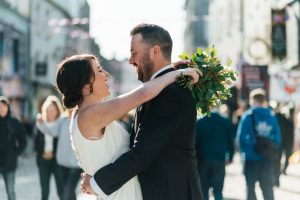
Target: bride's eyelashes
{"type": "Point", "coordinates": [100, 69]}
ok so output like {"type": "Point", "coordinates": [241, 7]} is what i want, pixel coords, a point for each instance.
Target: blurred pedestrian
{"type": "Point", "coordinates": [297, 130]}
{"type": "Point", "coordinates": [214, 149]}
{"type": "Point", "coordinates": [12, 144]}
{"type": "Point", "coordinates": [237, 114]}
{"type": "Point", "coordinates": [284, 114]}
{"type": "Point", "coordinates": [68, 165]}
{"type": "Point", "coordinates": [46, 146]}
{"type": "Point", "coordinates": [260, 121]}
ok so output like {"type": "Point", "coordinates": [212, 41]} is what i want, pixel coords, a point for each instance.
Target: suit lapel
{"type": "Point", "coordinates": [140, 111]}
{"type": "Point", "coordinates": [138, 117]}
{"type": "Point", "coordinates": [164, 72]}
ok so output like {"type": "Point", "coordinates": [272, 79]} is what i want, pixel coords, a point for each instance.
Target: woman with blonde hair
{"type": "Point", "coordinates": [69, 170]}
{"type": "Point", "coordinates": [45, 146]}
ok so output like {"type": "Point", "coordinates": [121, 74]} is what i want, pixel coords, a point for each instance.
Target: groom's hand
{"type": "Point", "coordinates": [85, 184]}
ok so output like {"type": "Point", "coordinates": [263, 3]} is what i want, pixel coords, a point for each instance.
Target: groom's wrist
{"type": "Point", "coordinates": [97, 189]}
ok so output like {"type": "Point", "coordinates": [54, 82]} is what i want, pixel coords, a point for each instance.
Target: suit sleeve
{"type": "Point", "coordinates": [161, 118]}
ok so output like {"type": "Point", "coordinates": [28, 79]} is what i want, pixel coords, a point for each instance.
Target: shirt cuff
{"type": "Point", "coordinates": [97, 189]}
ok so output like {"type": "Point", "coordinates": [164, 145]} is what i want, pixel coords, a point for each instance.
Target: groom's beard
{"type": "Point", "coordinates": [145, 72]}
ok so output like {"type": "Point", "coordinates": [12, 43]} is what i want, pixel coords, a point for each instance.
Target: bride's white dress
{"type": "Point", "coordinates": [95, 154]}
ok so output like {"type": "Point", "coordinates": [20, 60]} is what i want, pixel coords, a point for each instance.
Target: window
{"type": "Point", "coordinates": [15, 54]}
{"type": "Point", "coordinates": [1, 51]}
{"type": "Point", "coordinates": [1, 45]}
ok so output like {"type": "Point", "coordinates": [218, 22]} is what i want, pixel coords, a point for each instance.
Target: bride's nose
{"type": "Point", "coordinates": [106, 74]}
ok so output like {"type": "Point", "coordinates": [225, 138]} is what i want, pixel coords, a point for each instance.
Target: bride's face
{"type": "Point", "coordinates": [100, 82]}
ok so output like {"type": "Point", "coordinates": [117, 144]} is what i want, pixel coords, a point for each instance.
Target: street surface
{"type": "Point", "coordinates": [28, 188]}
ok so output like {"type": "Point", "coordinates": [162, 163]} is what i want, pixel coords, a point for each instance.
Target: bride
{"type": "Point", "coordinates": [96, 137]}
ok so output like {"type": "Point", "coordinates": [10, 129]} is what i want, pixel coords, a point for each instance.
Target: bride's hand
{"type": "Point", "coordinates": [181, 63]}
{"type": "Point", "coordinates": [85, 184]}
{"type": "Point", "coordinates": [194, 72]}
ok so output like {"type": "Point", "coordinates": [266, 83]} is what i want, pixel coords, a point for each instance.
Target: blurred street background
{"type": "Point", "coordinates": [261, 37]}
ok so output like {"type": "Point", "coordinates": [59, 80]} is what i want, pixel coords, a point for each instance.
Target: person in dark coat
{"type": "Point", "coordinates": [163, 139]}
{"type": "Point", "coordinates": [286, 123]}
{"type": "Point", "coordinates": [12, 144]}
{"type": "Point", "coordinates": [215, 149]}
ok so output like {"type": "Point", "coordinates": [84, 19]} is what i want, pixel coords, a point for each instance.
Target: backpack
{"type": "Point", "coordinates": [264, 145]}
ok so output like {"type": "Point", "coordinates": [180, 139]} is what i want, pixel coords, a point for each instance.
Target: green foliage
{"type": "Point", "coordinates": [213, 86]}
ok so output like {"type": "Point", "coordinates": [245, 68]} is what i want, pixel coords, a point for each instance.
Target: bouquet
{"type": "Point", "coordinates": [214, 85]}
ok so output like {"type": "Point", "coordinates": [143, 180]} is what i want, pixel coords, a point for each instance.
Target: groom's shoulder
{"type": "Point", "coordinates": [175, 89]}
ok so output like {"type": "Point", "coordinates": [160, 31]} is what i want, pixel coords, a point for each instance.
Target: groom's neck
{"type": "Point", "coordinates": [159, 65]}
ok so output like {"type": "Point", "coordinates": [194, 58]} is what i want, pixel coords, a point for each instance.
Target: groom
{"type": "Point", "coordinates": [163, 140]}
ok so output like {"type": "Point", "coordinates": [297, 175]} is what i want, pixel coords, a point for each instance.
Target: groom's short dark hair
{"type": "Point", "coordinates": [155, 35]}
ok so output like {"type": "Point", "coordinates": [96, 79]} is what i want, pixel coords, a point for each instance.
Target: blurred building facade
{"type": "Point", "coordinates": [14, 54]}
{"type": "Point", "coordinates": [48, 46]}
{"type": "Point", "coordinates": [129, 79]}
{"type": "Point", "coordinates": [243, 30]}
{"type": "Point", "coordinates": [197, 25]}
{"type": "Point", "coordinates": [59, 28]}
{"type": "Point", "coordinates": [35, 35]}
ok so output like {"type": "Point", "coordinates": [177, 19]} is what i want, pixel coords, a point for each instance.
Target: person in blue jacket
{"type": "Point", "coordinates": [257, 167]}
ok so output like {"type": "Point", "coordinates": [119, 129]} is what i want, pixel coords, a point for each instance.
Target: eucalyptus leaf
{"type": "Point", "coordinates": [214, 84]}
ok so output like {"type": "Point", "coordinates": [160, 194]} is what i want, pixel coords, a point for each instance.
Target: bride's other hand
{"type": "Point", "coordinates": [179, 64]}
{"type": "Point", "coordinates": [85, 184]}
{"type": "Point", "coordinates": [194, 72]}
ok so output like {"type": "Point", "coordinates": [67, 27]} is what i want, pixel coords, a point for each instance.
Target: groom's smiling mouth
{"type": "Point", "coordinates": [136, 66]}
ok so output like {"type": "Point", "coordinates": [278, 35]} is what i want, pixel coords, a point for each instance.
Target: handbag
{"type": "Point", "coordinates": [263, 145]}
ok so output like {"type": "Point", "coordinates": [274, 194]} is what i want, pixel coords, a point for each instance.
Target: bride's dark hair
{"type": "Point", "coordinates": [72, 74]}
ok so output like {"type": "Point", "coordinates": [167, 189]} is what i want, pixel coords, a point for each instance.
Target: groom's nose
{"type": "Point", "coordinates": [130, 60]}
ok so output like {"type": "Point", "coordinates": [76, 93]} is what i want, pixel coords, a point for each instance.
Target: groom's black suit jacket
{"type": "Point", "coordinates": [163, 154]}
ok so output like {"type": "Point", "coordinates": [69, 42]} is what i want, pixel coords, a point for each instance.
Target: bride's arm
{"type": "Point", "coordinates": [102, 113]}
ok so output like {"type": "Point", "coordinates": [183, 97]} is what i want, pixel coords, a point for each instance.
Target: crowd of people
{"type": "Point", "coordinates": [263, 161]}
{"type": "Point", "coordinates": [216, 142]}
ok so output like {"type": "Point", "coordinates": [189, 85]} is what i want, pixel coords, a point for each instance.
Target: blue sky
{"type": "Point", "coordinates": [112, 20]}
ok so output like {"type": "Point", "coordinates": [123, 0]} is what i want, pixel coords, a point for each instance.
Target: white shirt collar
{"type": "Point", "coordinates": [161, 70]}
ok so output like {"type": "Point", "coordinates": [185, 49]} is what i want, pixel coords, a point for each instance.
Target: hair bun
{"type": "Point", "coordinates": [70, 100]}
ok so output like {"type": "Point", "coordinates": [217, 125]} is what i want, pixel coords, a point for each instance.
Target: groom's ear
{"type": "Point", "coordinates": [155, 51]}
